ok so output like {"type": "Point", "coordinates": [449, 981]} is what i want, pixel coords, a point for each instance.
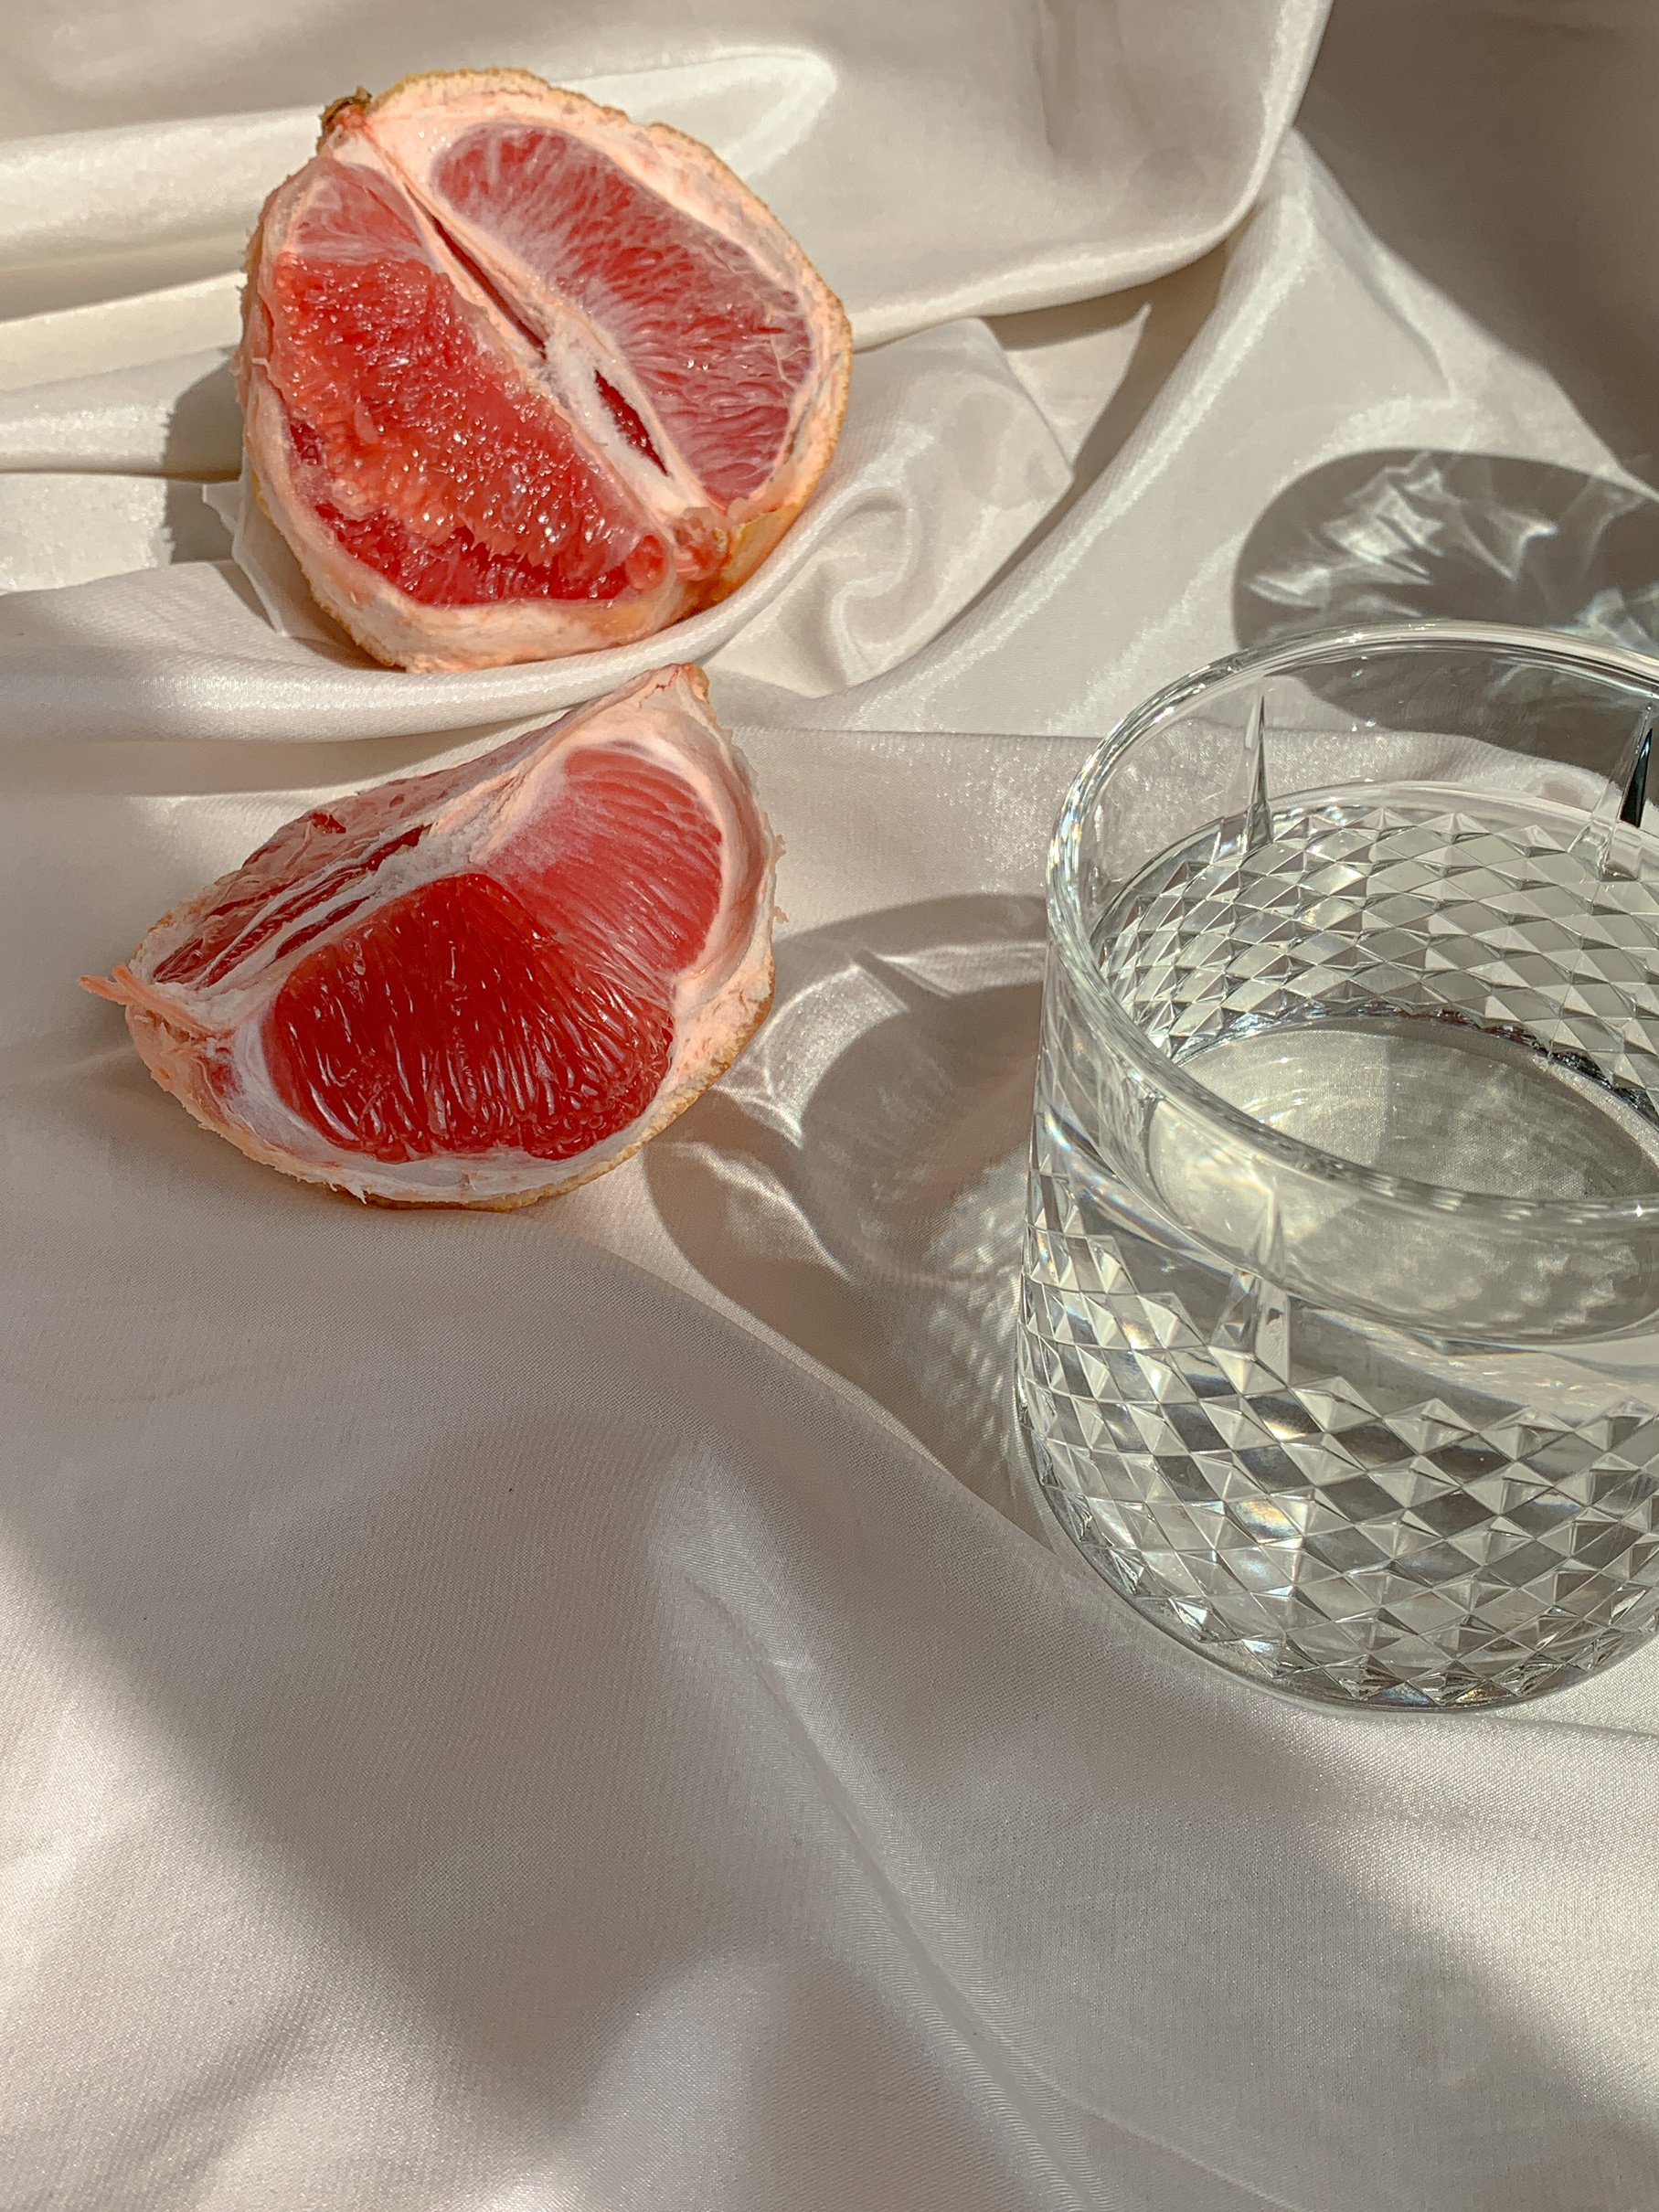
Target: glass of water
{"type": "Point", "coordinates": [1339, 1332]}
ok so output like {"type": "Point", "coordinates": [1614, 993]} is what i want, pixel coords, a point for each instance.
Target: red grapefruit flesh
{"type": "Point", "coordinates": [524, 378]}
{"type": "Point", "coordinates": [422, 459]}
{"type": "Point", "coordinates": [451, 1022]}
{"type": "Point", "coordinates": [482, 986]}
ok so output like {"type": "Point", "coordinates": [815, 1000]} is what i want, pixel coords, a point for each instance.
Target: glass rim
{"type": "Point", "coordinates": [1614, 666]}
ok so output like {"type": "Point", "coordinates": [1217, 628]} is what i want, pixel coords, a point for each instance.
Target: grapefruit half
{"type": "Point", "coordinates": [482, 986]}
{"type": "Point", "coordinates": [521, 378]}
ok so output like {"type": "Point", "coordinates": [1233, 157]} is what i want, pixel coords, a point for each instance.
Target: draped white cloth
{"type": "Point", "coordinates": [569, 1710]}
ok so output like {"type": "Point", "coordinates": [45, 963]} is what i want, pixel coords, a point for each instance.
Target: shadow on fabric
{"type": "Point", "coordinates": [1398, 535]}
{"type": "Point", "coordinates": [857, 1182]}
{"type": "Point", "coordinates": [203, 446]}
{"type": "Point", "coordinates": [1505, 151]}
{"type": "Point", "coordinates": [1407, 535]}
{"type": "Point", "coordinates": [1167, 316]}
{"type": "Point", "coordinates": [655, 1739]}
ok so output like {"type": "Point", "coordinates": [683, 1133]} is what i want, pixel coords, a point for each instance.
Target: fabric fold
{"type": "Point", "coordinates": [574, 1709]}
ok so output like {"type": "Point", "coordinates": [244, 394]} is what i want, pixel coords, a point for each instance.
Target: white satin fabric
{"type": "Point", "coordinates": [569, 1710]}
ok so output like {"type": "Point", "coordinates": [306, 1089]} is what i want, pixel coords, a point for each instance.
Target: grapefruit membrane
{"type": "Point", "coordinates": [521, 378]}
{"type": "Point", "coordinates": [481, 985]}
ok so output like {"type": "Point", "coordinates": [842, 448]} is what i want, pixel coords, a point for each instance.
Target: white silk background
{"type": "Point", "coordinates": [569, 1711]}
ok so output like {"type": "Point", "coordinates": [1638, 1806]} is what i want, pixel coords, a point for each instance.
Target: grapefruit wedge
{"type": "Point", "coordinates": [522, 378]}
{"type": "Point", "coordinates": [482, 986]}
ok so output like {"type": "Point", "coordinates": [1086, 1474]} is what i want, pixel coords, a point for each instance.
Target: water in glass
{"type": "Point", "coordinates": [1361, 1448]}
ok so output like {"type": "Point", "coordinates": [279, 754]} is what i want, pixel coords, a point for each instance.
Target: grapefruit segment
{"type": "Point", "coordinates": [450, 1023]}
{"type": "Point", "coordinates": [720, 347]}
{"type": "Point", "coordinates": [485, 984]}
{"type": "Point", "coordinates": [521, 378]}
{"type": "Point", "coordinates": [631, 859]}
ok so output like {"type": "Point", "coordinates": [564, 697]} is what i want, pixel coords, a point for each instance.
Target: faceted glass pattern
{"type": "Point", "coordinates": [1340, 1537]}
{"type": "Point", "coordinates": [1362, 1444]}
{"type": "Point", "coordinates": [1357, 905]}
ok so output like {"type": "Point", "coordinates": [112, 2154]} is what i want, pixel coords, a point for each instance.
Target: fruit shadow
{"type": "Point", "coordinates": [203, 446]}
{"type": "Point", "coordinates": [857, 1182]}
{"type": "Point", "coordinates": [202, 449]}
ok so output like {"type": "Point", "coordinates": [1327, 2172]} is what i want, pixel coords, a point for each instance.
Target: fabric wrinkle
{"type": "Point", "coordinates": [576, 1707]}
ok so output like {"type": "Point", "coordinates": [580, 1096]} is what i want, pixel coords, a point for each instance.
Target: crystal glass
{"type": "Point", "coordinates": [1339, 1332]}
